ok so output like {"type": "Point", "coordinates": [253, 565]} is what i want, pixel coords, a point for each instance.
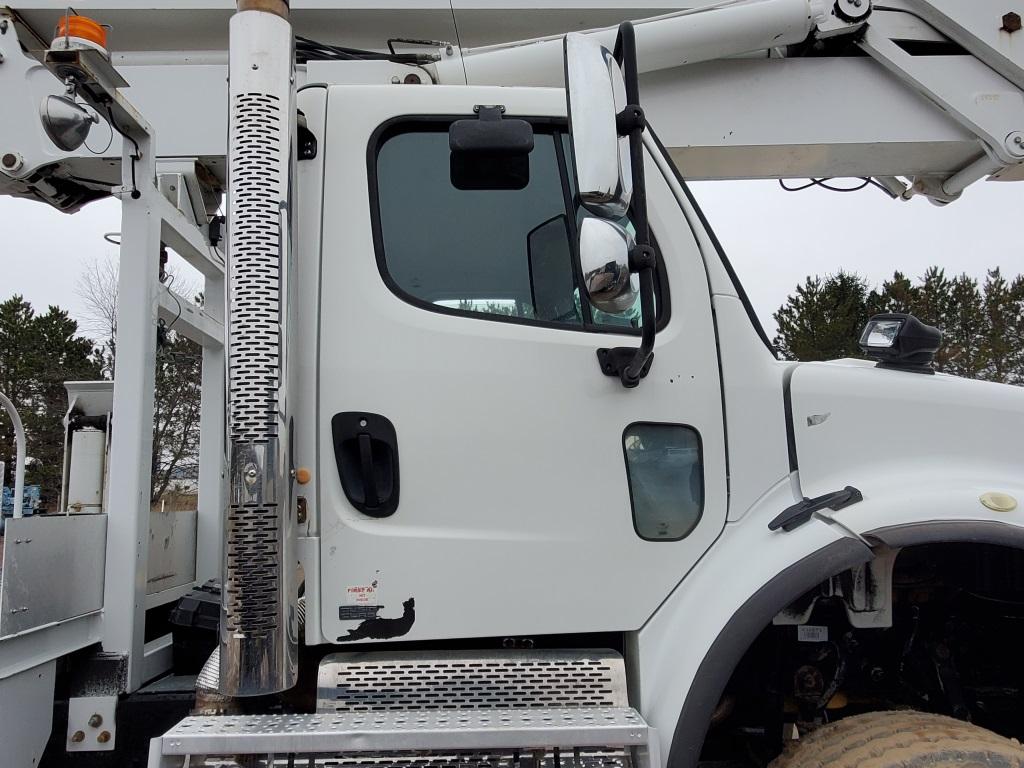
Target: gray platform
{"type": "Point", "coordinates": [343, 736]}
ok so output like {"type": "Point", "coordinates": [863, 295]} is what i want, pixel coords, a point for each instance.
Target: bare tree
{"type": "Point", "coordinates": [178, 374]}
{"type": "Point", "coordinates": [97, 288]}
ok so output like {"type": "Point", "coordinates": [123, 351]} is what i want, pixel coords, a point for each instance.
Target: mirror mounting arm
{"type": "Point", "coordinates": [631, 122]}
{"type": "Point", "coordinates": [630, 119]}
{"type": "Point", "coordinates": [642, 257]}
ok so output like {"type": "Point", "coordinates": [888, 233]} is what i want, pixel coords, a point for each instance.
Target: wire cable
{"type": "Point", "coordinates": [110, 140]}
{"type": "Point", "coordinates": [823, 183]}
{"type": "Point", "coordinates": [907, 11]}
{"type": "Point", "coordinates": [307, 49]}
{"type": "Point", "coordinates": [167, 286]}
{"type": "Point", "coordinates": [138, 153]}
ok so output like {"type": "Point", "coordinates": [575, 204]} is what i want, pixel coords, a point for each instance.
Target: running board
{"type": "Point", "coordinates": [556, 736]}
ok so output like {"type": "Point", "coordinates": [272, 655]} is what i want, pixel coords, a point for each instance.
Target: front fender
{"type": "Point", "coordinates": [688, 650]}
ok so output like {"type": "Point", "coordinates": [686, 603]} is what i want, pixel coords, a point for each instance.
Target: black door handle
{"type": "Point", "coordinates": [366, 453]}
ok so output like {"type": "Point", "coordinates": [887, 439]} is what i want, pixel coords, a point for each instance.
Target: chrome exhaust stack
{"type": "Point", "coordinates": [258, 628]}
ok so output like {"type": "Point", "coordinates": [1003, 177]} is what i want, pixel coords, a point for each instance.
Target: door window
{"type": "Point", "coordinates": [503, 254]}
{"type": "Point", "coordinates": [666, 479]}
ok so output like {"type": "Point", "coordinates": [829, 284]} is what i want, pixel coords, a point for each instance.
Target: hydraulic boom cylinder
{"type": "Point", "coordinates": [663, 42]}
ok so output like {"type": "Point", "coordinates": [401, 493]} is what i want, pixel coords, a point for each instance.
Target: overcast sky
{"type": "Point", "coordinates": [774, 238]}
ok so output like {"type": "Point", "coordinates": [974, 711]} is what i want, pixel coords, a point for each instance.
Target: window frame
{"type": "Point", "coordinates": [558, 126]}
{"type": "Point", "coordinates": [629, 477]}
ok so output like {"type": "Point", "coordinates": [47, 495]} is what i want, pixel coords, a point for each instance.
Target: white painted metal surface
{"type": "Point", "coordinates": [750, 118]}
{"type": "Point", "coordinates": [26, 700]}
{"type": "Point", "coordinates": [86, 398]}
{"type": "Point", "coordinates": [161, 25]}
{"type": "Point", "coordinates": [964, 86]}
{"type": "Point", "coordinates": [148, 220]}
{"type": "Point", "coordinates": [92, 724]}
{"type": "Point", "coordinates": [210, 520]}
{"type": "Point", "coordinates": [479, 492]}
{"type": "Point", "coordinates": [85, 474]}
{"type": "Point", "coordinates": [172, 550]}
{"type": "Point", "coordinates": [875, 424]}
{"type": "Point", "coordinates": [158, 657]}
{"type": "Point", "coordinates": [977, 26]}
{"type": "Point", "coordinates": [132, 434]}
{"type": "Point", "coordinates": [751, 376]}
{"type": "Point", "coordinates": [663, 42]}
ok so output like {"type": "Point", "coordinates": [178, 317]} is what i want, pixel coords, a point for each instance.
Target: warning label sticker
{"type": "Point", "coordinates": [361, 594]}
{"type": "Point", "coordinates": [360, 602]}
{"type": "Point", "coordinates": [357, 612]}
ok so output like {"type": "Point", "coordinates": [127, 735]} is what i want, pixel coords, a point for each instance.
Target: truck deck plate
{"type": "Point", "coordinates": [396, 731]}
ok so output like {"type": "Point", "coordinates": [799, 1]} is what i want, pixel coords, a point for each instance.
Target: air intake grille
{"type": "Point", "coordinates": [355, 682]}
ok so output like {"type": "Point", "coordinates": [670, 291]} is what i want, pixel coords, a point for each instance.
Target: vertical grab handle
{"type": "Point", "coordinates": [366, 463]}
{"type": "Point", "coordinates": [366, 454]}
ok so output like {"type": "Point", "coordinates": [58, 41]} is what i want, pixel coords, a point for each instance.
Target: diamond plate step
{"type": "Point", "coordinates": [397, 732]}
{"type": "Point", "coordinates": [354, 682]}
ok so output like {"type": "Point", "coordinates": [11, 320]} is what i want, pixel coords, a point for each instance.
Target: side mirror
{"type": "Point", "coordinates": [607, 123]}
{"type": "Point", "coordinates": [596, 94]}
{"type": "Point", "coordinates": [605, 250]}
{"type": "Point", "coordinates": [490, 152]}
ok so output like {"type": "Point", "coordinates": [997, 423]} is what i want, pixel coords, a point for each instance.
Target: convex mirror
{"type": "Point", "coordinates": [596, 94]}
{"type": "Point", "coordinates": [604, 258]}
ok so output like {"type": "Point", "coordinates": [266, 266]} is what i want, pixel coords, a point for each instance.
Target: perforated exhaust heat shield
{"type": "Point", "coordinates": [258, 630]}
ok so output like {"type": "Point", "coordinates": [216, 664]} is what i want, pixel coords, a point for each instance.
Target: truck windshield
{"type": "Point", "coordinates": [504, 253]}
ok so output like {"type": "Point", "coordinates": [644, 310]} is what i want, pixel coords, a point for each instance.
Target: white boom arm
{"type": "Point", "coordinates": [930, 90]}
{"type": "Point", "coordinates": [663, 42]}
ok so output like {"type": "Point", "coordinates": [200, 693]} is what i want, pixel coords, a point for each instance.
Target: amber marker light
{"type": "Point", "coordinates": [81, 28]}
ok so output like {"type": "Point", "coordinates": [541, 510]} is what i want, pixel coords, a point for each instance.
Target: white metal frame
{"type": "Point", "coordinates": [147, 222]}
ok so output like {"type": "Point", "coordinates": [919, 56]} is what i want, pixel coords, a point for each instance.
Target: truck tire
{"type": "Point", "coordinates": [901, 739]}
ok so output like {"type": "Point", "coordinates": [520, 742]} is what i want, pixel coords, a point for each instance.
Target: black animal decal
{"type": "Point", "coordinates": [384, 629]}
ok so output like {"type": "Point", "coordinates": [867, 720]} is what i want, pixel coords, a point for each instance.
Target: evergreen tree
{"type": "Point", "coordinates": [824, 319]}
{"type": "Point", "coordinates": [38, 353]}
{"type": "Point", "coordinates": [982, 326]}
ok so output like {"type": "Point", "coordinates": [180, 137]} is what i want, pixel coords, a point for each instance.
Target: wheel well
{"type": "Point", "coordinates": [934, 627]}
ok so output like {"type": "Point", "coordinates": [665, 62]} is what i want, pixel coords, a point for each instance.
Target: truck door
{"type": "Point", "coordinates": [458, 376]}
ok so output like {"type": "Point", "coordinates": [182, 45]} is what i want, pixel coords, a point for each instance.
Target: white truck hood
{"type": "Point", "coordinates": [874, 428]}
